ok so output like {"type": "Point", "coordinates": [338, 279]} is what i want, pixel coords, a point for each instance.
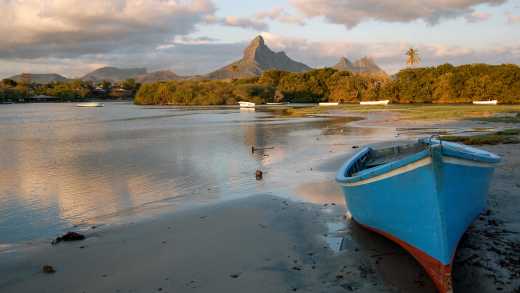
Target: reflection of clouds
{"type": "Point", "coordinates": [62, 166]}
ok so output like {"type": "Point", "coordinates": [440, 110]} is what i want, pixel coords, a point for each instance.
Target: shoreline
{"type": "Point", "coordinates": [271, 244]}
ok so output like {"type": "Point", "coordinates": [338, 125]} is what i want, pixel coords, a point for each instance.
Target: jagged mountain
{"type": "Point", "coordinates": [39, 78]}
{"type": "Point", "coordinates": [161, 75]}
{"type": "Point", "coordinates": [344, 65]}
{"type": "Point", "coordinates": [258, 58]}
{"type": "Point", "coordinates": [363, 65]}
{"type": "Point", "coordinates": [113, 74]}
{"type": "Point", "coordinates": [367, 65]}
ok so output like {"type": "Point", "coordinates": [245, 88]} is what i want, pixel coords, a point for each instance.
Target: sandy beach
{"type": "Point", "coordinates": [267, 243]}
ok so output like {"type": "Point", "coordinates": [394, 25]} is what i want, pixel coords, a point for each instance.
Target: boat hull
{"type": "Point", "coordinates": [424, 203]}
{"type": "Point", "coordinates": [90, 105]}
{"type": "Point", "coordinates": [375, 103]}
{"type": "Point", "coordinates": [328, 104]}
{"type": "Point", "coordinates": [493, 102]}
{"type": "Point", "coordinates": [246, 104]}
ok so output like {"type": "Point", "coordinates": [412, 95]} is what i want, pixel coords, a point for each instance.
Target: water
{"type": "Point", "coordinates": [64, 166]}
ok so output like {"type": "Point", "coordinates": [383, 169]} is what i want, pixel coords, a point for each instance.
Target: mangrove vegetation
{"type": "Point", "coordinates": [442, 84]}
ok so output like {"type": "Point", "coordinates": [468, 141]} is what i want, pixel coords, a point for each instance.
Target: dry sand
{"type": "Point", "coordinates": [264, 243]}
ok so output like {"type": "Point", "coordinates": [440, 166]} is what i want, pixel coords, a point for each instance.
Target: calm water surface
{"type": "Point", "coordinates": [63, 166]}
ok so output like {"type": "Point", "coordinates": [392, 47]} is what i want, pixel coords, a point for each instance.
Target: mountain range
{"type": "Point", "coordinates": [363, 65]}
{"type": "Point", "coordinates": [39, 78]}
{"type": "Point", "coordinates": [257, 58]}
{"type": "Point", "coordinates": [113, 74]}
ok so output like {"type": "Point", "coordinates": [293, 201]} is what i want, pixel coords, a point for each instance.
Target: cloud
{"type": "Point", "coordinates": [389, 55]}
{"type": "Point", "coordinates": [353, 12]}
{"type": "Point", "coordinates": [279, 14]}
{"type": "Point", "coordinates": [512, 19]}
{"type": "Point", "coordinates": [242, 22]}
{"type": "Point", "coordinates": [187, 57]}
{"type": "Point", "coordinates": [258, 21]}
{"type": "Point", "coordinates": [183, 58]}
{"type": "Point", "coordinates": [477, 17]}
{"type": "Point", "coordinates": [70, 28]}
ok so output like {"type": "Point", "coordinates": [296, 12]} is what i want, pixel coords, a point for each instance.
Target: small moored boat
{"type": "Point", "coordinates": [421, 195]}
{"type": "Point", "coordinates": [90, 104]}
{"type": "Point", "coordinates": [374, 103]}
{"type": "Point", "coordinates": [329, 104]}
{"type": "Point", "coordinates": [491, 102]}
{"type": "Point", "coordinates": [246, 104]}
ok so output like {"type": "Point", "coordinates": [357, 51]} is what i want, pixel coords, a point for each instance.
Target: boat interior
{"type": "Point", "coordinates": [380, 156]}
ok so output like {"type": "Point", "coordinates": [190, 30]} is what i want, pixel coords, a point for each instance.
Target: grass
{"type": "Point", "coordinates": [508, 136]}
{"type": "Point", "coordinates": [504, 119]}
{"type": "Point", "coordinates": [422, 111]}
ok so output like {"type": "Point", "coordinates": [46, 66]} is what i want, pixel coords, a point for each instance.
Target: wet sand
{"type": "Point", "coordinates": [265, 243]}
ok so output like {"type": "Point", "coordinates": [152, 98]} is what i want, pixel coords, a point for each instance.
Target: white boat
{"type": "Point", "coordinates": [274, 104]}
{"type": "Point", "coordinates": [374, 103]}
{"type": "Point", "coordinates": [246, 104]}
{"type": "Point", "coordinates": [90, 104]}
{"type": "Point", "coordinates": [491, 102]}
{"type": "Point", "coordinates": [329, 104]}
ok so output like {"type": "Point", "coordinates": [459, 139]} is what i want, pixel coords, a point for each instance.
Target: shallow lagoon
{"type": "Point", "coordinates": [64, 166]}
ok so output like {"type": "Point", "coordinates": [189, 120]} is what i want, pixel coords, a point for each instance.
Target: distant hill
{"type": "Point", "coordinates": [258, 58]}
{"type": "Point", "coordinates": [43, 78]}
{"type": "Point", "coordinates": [162, 75]}
{"type": "Point", "coordinates": [113, 74]}
{"type": "Point", "coordinates": [363, 65]}
{"type": "Point", "coordinates": [344, 65]}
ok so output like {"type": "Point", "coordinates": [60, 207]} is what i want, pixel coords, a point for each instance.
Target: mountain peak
{"type": "Point", "coordinates": [344, 65]}
{"type": "Point", "coordinates": [113, 73]}
{"type": "Point", "coordinates": [363, 65]}
{"type": "Point", "coordinates": [366, 61]}
{"type": "Point", "coordinates": [255, 48]}
{"type": "Point", "coordinates": [258, 58]}
{"type": "Point", "coordinates": [367, 64]}
{"type": "Point", "coordinates": [258, 40]}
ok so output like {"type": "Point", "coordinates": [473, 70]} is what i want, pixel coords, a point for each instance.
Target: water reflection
{"type": "Point", "coordinates": [63, 166]}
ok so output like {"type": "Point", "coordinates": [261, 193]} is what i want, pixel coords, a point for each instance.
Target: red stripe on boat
{"type": "Point", "coordinates": [438, 272]}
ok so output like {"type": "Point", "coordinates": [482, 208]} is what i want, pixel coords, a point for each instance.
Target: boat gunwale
{"type": "Point", "coordinates": [449, 149]}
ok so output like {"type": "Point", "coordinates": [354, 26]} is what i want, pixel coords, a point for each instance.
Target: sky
{"type": "Point", "coordinates": [74, 37]}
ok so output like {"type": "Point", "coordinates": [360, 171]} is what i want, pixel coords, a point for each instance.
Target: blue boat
{"type": "Point", "coordinates": [422, 195]}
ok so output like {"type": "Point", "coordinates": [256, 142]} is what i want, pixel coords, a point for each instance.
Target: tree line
{"type": "Point", "coordinates": [63, 91]}
{"type": "Point", "coordinates": [441, 84]}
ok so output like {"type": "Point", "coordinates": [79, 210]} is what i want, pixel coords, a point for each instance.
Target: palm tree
{"type": "Point", "coordinates": [413, 57]}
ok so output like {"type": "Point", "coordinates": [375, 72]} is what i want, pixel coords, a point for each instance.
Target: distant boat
{"type": "Point", "coordinates": [90, 104]}
{"type": "Point", "coordinates": [329, 104]}
{"type": "Point", "coordinates": [374, 103]}
{"type": "Point", "coordinates": [246, 104]}
{"type": "Point", "coordinates": [422, 195]}
{"type": "Point", "coordinates": [275, 103]}
{"type": "Point", "coordinates": [491, 102]}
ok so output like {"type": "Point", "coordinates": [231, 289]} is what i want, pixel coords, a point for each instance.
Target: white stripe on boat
{"type": "Point", "coordinates": [417, 164]}
{"type": "Point", "coordinates": [407, 168]}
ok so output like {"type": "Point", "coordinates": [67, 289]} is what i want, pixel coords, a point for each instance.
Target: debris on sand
{"type": "Point", "coordinates": [259, 175]}
{"type": "Point", "coordinates": [69, 236]}
{"type": "Point", "coordinates": [253, 148]}
{"type": "Point", "coordinates": [48, 269]}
